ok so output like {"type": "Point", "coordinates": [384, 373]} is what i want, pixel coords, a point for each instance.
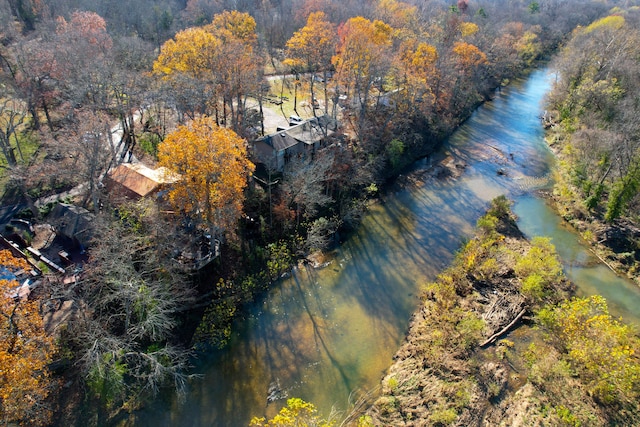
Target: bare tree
{"type": "Point", "coordinates": [126, 338]}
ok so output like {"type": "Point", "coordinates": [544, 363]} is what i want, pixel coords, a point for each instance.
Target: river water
{"type": "Point", "coordinates": [327, 335]}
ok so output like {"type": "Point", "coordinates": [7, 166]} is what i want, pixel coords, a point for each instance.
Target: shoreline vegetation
{"type": "Point", "coordinates": [573, 363]}
{"type": "Point", "coordinates": [592, 127]}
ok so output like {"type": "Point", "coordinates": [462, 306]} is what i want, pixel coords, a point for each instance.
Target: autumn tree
{"type": "Point", "coordinates": [415, 73]}
{"type": "Point", "coordinates": [27, 12]}
{"type": "Point", "coordinates": [403, 17]}
{"type": "Point", "coordinates": [514, 47]}
{"type": "Point", "coordinates": [33, 74]}
{"type": "Point", "coordinates": [464, 81]}
{"type": "Point", "coordinates": [362, 61]}
{"type": "Point", "coordinates": [25, 352]}
{"type": "Point", "coordinates": [213, 168]}
{"type": "Point", "coordinates": [595, 101]}
{"type": "Point", "coordinates": [188, 63]}
{"type": "Point", "coordinates": [601, 349]}
{"type": "Point", "coordinates": [310, 50]}
{"type": "Point", "coordinates": [82, 46]}
{"type": "Point", "coordinates": [296, 413]}
{"type": "Point", "coordinates": [240, 67]}
{"type": "Point", "coordinates": [220, 61]}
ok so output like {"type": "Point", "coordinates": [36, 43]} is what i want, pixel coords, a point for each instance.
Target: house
{"type": "Point", "coordinates": [136, 181]}
{"type": "Point", "coordinates": [305, 138]}
{"type": "Point", "coordinates": [72, 222]}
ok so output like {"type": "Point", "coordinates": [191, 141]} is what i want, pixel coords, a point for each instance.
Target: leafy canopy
{"type": "Point", "coordinates": [213, 169]}
{"type": "Point", "coordinates": [25, 352]}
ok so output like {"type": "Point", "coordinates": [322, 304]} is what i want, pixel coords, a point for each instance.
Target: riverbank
{"type": "Point", "coordinates": [615, 244]}
{"type": "Point", "coordinates": [594, 134]}
{"type": "Point", "coordinates": [450, 372]}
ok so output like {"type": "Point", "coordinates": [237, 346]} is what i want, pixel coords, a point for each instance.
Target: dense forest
{"type": "Point", "coordinates": [188, 87]}
{"type": "Point", "coordinates": [593, 126]}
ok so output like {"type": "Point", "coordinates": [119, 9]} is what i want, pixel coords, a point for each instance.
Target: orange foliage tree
{"type": "Point", "coordinates": [468, 56]}
{"type": "Point", "coordinates": [213, 167]}
{"type": "Point", "coordinates": [25, 352]}
{"type": "Point", "coordinates": [311, 48]}
{"type": "Point", "coordinates": [362, 58]}
{"type": "Point", "coordinates": [222, 56]}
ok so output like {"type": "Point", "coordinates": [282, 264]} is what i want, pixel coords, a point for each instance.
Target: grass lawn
{"type": "Point", "coordinates": [286, 89]}
{"type": "Point", "coordinates": [29, 144]}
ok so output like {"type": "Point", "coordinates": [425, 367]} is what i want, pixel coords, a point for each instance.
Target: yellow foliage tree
{"type": "Point", "coordinates": [222, 55]}
{"type": "Point", "coordinates": [193, 51]}
{"type": "Point", "coordinates": [296, 413]}
{"type": "Point", "coordinates": [418, 73]}
{"type": "Point", "coordinates": [402, 16]}
{"type": "Point", "coordinates": [468, 29]}
{"type": "Point", "coordinates": [311, 48]}
{"type": "Point", "coordinates": [234, 25]}
{"type": "Point", "coordinates": [213, 168]}
{"type": "Point", "coordinates": [603, 350]}
{"type": "Point", "coordinates": [25, 352]}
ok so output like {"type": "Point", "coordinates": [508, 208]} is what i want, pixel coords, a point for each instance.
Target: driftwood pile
{"type": "Point", "coordinates": [503, 313]}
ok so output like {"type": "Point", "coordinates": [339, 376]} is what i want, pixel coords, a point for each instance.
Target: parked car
{"type": "Point", "coordinates": [295, 120]}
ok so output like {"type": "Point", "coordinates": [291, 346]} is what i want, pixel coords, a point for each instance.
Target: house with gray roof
{"type": "Point", "coordinates": [303, 139]}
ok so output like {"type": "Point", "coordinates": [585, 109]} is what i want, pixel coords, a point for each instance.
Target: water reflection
{"type": "Point", "coordinates": [321, 334]}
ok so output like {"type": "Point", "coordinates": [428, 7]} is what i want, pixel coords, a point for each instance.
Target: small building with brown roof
{"type": "Point", "coordinates": [136, 181]}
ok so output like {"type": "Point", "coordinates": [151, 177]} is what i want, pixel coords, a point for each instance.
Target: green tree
{"type": "Point", "coordinates": [539, 269]}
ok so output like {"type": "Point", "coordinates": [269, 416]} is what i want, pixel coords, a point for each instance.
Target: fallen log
{"type": "Point", "coordinates": [504, 330]}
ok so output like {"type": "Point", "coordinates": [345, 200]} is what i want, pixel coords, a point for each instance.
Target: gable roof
{"type": "Point", "coordinates": [73, 221]}
{"type": "Point", "coordinates": [281, 140]}
{"type": "Point", "coordinates": [140, 179]}
{"type": "Point", "coordinates": [308, 132]}
{"type": "Point", "coordinates": [313, 130]}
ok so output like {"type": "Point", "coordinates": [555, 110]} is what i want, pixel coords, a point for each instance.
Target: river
{"type": "Point", "coordinates": [325, 335]}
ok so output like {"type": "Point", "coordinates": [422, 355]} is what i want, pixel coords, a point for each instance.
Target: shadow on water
{"type": "Point", "coordinates": [323, 333]}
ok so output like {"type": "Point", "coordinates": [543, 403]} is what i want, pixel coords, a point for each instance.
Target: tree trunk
{"type": "Point", "coordinates": [34, 115]}
{"type": "Point", "coordinates": [7, 150]}
{"type": "Point", "coordinates": [45, 108]}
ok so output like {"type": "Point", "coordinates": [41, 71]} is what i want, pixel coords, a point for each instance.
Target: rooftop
{"type": "Point", "coordinates": [140, 179]}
